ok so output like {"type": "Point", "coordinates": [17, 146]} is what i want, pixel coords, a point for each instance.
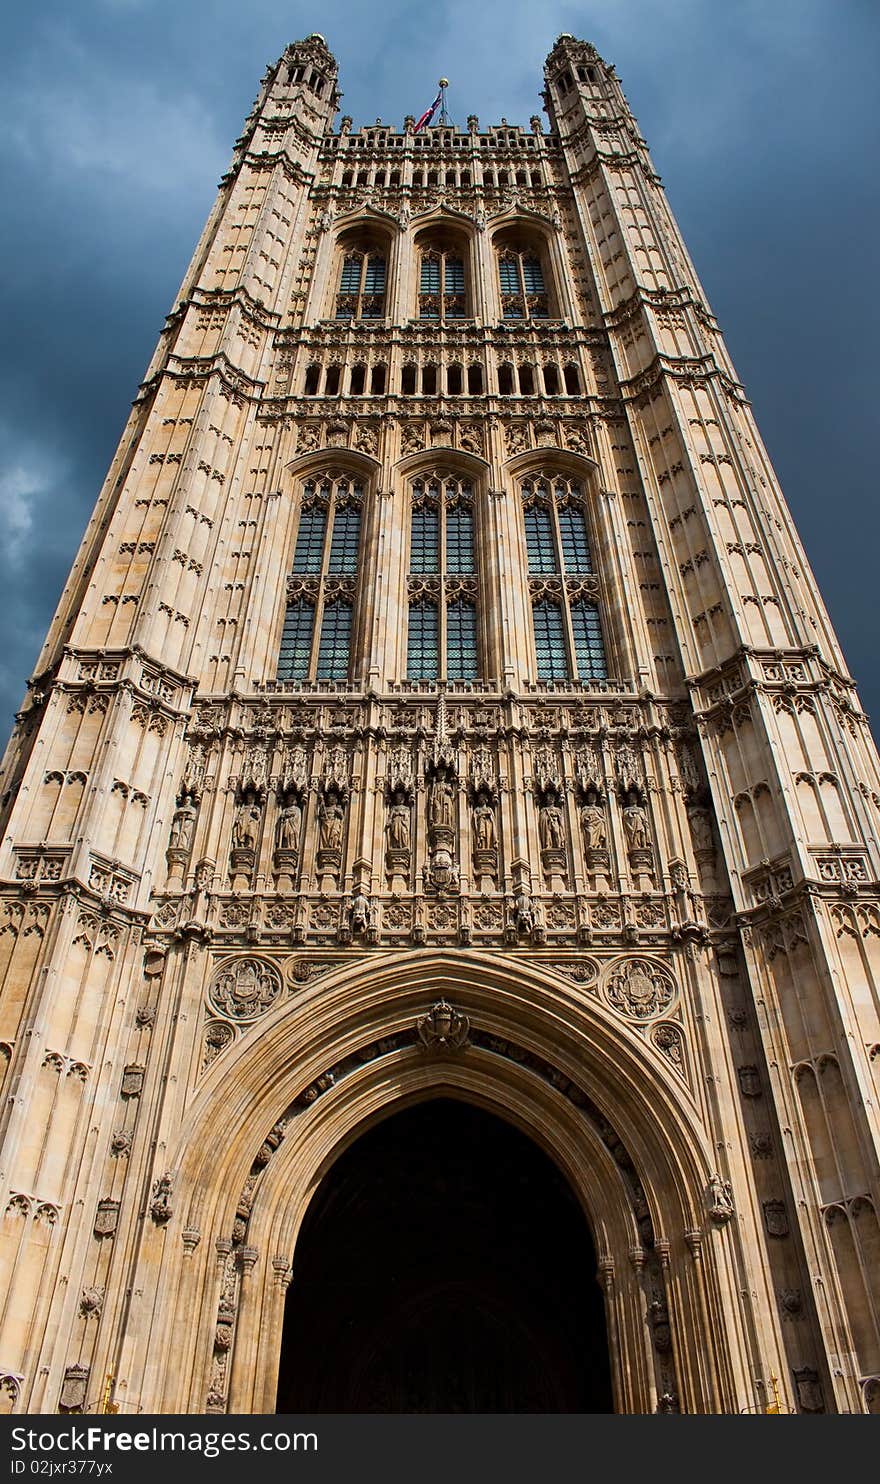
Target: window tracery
{"type": "Point", "coordinates": [321, 588]}
{"type": "Point", "coordinates": [442, 637]}
{"type": "Point", "coordinates": [569, 643]}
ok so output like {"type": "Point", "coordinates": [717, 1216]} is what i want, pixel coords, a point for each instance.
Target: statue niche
{"type": "Point", "coordinates": [331, 826]}
{"type": "Point", "coordinates": [442, 872]}
{"type": "Point", "coordinates": [485, 840]}
{"type": "Point", "coordinates": [637, 829]}
{"type": "Point", "coordinates": [551, 834]}
{"type": "Point", "coordinates": [593, 818]}
{"type": "Point", "coordinates": [288, 829]}
{"type": "Point", "coordinates": [182, 834]}
{"type": "Point", "coordinates": [247, 823]}
{"type": "Point", "coordinates": [398, 839]}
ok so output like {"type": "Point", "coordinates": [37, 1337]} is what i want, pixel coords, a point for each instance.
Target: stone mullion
{"type": "Point", "coordinates": [516, 610]}
{"type": "Point", "coordinates": [369, 592]}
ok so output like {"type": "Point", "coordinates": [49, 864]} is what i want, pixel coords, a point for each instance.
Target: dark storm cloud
{"type": "Point", "coordinates": [118, 118]}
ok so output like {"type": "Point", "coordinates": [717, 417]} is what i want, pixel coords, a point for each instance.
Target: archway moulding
{"type": "Point", "coordinates": [452, 458]}
{"type": "Point", "coordinates": [248, 1089]}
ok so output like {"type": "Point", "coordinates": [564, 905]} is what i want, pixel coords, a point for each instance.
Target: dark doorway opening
{"type": "Point", "coordinates": [444, 1265]}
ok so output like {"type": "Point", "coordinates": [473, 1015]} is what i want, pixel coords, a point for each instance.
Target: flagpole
{"type": "Point", "coordinates": [443, 84]}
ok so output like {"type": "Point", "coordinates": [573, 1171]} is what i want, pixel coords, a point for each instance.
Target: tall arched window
{"type": "Point", "coordinates": [441, 286]}
{"type": "Point", "coordinates": [443, 274]}
{"type": "Point", "coordinates": [362, 276]}
{"type": "Point", "coordinates": [442, 640]}
{"type": "Point", "coordinates": [569, 644]}
{"type": "Point", "coordinates": [321, 589]}
{"type": "Point", "coordinates": [523, 291]}
{"type": "Point", "coordinates": [523, 274]}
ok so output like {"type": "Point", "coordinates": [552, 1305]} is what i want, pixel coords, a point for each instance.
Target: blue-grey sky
{"type": "Point", "coordinates": [118, 118]}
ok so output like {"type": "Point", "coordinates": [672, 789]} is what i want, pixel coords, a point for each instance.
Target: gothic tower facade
{"type": "Point", "coordinates": [440, 709]}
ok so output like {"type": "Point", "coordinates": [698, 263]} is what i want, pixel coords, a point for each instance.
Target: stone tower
{"type": "Point", "coordinates": [440, 708]}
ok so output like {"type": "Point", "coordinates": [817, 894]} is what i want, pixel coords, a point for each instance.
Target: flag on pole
{"type": "Point", "coordinates": [428, 113]}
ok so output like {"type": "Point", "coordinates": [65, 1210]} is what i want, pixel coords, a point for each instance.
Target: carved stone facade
{"type": "Point", "coordinates": [559, 797]}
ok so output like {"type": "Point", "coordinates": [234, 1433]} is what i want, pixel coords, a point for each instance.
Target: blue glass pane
{"type": "Point", "coordinates": [310, 540]}
{"type": "Point", "coordinates": [459, 540]}
{"type": "Point", "coordinates": [539, 541]}
{"type": "Point", "coordinates": [351, 276]}
{"type": "Point", "coordinates": [296, 642]}
{"type": "Point", "coordinates": [425, 553]}
{"type": "Point", "coordinates": [552, 662]}
{"type": "Point", "coordinates": [575, 546]}
{"type": "Point", "coordinates": [333, 650]}
{"type": "Point", "coordinates": [461, 641]}
{"type": "Point", "coordinates": [454, 276]}
{"type": "Point", "coordinates": [421, 651]}
{"type": "Point", "coordinates": [589, 650]}
{"type": "Point", "coordinates": [374, 282]}
{"type": "Point", "coordinates": [429, 282]}
{"type": "Point", "coordinates": [533, 278]}
{"type": "Point", "coordinates": [509, 276]}
{"type": "Point", "coordinates": [345, 540]}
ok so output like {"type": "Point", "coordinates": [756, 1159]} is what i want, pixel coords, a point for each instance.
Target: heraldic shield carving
{"type": "Point", "coordinates": [638, 988]}
{"type": "Point", "coordinates": [245, 987]}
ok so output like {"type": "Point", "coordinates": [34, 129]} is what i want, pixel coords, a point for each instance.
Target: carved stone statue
{"type": "Point", "coordinates": [484, 827]}
{"type": "Point", "coordinates": [701, 829]}
{"type": "Point", "coordinates": [594, 827]}
{"type": "Point", "coordinates": [720, 1200]}
{"type": "Point", "coordinates": [523, 912]}
{"type": "Point", "coordinates": [330, 818]}
{"type": "Point", "coordinates": [635, 822]}
{"type": "Point", "coordinates": [360, 912]}
{"type": "Point", "coordinates": [182, 827]}
{"type": "Point", "coordinates": [399, 823]}
{"type": "Point", "coordinates": [287, 827]}
{"type": "Point", "coordinates": [551, 827]}
{"type": "Point", "coordinates": [246, 826]}
{"type": "Point", "coordinates": [441, 803]}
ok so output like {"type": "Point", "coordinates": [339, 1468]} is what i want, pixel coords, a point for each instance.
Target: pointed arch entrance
{"type": "Point", "coordinates": [444, 1265]}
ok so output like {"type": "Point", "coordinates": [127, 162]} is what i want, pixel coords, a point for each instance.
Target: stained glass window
{"type": "Point", "coordinates": [550, 641]}
{"type": "Point", "coordinates": [335, 643]}
{"type": "Point", "coordinates": [422, 642]}
{"type": "Point", "coordinates": [461, 640]}
{"type": "Point", "coordinates": [539, 540]}
{"type": "Point", "coordinates": [296, 641]}
{"type": "Point", "coordinates": [459, 539]}
{"type": "Point", "coordinates": [589, 649]}
{"type": "Point", "coordinates": [573, 538]}
{"type": "Point", "coordinates": [425, 552]}
{"type": "Point", "coordinates": [345, 540]}
{"type": "Point", "coordinates": [310, 539]}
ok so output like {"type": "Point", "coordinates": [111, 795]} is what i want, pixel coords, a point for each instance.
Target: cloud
{"type": "Point", "coordinates": [19, 487]}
